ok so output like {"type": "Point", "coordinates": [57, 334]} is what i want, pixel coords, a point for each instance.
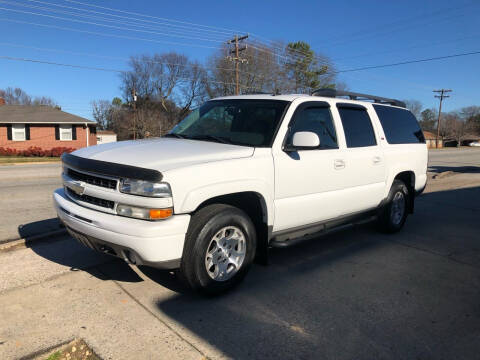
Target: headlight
{"type": "Point", "coordinates": [144, 213]}
{"type": "Point", "coordinates": [145, 188]}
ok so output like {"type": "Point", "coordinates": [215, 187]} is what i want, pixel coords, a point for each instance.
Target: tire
{"type": "Point", "coordinates": [209, 264]}
{"type": "Point", "coordinates": [394, 213]}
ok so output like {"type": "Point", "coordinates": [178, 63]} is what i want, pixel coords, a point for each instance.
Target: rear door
{"type": "Point", "coordinates": [365, 170]}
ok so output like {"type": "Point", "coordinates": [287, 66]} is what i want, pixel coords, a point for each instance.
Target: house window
{"type": "Point", "coordinates": [65, 132]}
{"type": "Point", "coordinates": [18, 132]}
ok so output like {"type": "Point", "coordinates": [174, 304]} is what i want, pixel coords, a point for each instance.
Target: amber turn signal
{"type": "Point", "coordinates": [156, 214]}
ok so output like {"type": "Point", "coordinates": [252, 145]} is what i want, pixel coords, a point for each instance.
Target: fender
{"type": "Point", "coordinates": [393, 172]}
{"type": "Point", "coordinates": [198, 195]}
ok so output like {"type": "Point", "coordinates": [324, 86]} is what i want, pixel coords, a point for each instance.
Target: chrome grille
{"type": "Point", "coordinates": [93, 180]}
{"type": "Point", "coordinates": [91, 199]}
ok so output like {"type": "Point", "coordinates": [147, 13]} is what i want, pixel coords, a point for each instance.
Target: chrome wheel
{"type": "Point", "coordinates": [225, 253]}
{"type": "Point", "coordinates": [398, 208]}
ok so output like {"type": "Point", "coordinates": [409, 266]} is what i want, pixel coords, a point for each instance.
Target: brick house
{"type": "Point", "coordinates": [431, 140]}
{"type": "Point", "coordinates": [22, 127]}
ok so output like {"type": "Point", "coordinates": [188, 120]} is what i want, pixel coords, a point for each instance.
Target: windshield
{"type": "Point", "coordinates": [239, 122]}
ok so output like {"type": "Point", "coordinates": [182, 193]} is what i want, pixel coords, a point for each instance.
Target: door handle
{"type": "Point", "coordinates": [376, 159]}
{"type": "Point", "coordinates": [339, 164]}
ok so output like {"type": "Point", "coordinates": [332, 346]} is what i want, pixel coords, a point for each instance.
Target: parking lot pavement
{"type": "Point", "coordinates": [26, 199]}
{"type": "Point", "coordinates": [353, 294]}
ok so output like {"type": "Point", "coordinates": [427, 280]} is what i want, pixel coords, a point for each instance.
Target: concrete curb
{"type": "Point", "coordinates": [31, 163]}
{"type": "Point", "coordinates": [23, 243]}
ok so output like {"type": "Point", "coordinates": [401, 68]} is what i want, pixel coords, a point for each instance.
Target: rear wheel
{"type": "Point", "coordinates": [219, 248]}
{"type": "Point", "coordinates": [394, 213]}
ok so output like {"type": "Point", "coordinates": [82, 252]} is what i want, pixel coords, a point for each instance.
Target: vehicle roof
{"type": "Point", "coordinates": [292, 97]}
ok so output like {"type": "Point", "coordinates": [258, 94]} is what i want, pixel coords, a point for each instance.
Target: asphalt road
{"type": "Point", "coordinates": [26, 199]}
{"type": "Point", "coordinates": [354, 294]}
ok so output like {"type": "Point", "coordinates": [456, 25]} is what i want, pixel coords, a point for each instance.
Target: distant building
{"type": "Point", "coordinates": [106, 136]}
{"type": "Point", "coordinates": [431, 140]}
{"type": "Point", "coordinates": [23, 126]}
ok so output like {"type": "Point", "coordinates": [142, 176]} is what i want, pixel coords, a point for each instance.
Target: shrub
{"type": "Point", "coordinates": [36, 151]}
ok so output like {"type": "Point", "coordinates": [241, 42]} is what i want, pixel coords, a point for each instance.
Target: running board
{"type": "Point", "coordinates": [294, 236]}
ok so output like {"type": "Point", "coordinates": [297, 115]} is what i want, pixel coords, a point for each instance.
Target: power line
{"type": "Point", "coordinates": [407, 62]}
{"type": "Point", "coordinates": [124, 22]}
{"type": "Point", "coordinates": [169, 21]}
{"type": "Point", "coordinates": [107, 56]}
{"type": "Point", "coordinates": [108, 35]}
{"type": "Point", "coordinates": [150, 16]}
{"type": "Point", "coordinates": [94, 68]}
{"type": "Point", "coordinates": [221, 82]}
{"type": "Point", "coordinates": [108, 26]}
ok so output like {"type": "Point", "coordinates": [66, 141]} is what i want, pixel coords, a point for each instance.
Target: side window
{"type": "Point", "coordinates": [317, 120]}
{"type": "Point", "coordinates": [399, 125]}
{"type": "Point", "coordinates": [357, 127]}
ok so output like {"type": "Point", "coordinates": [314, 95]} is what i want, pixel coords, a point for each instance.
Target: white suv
{"type": "Point", "coordinates": [242, 174]}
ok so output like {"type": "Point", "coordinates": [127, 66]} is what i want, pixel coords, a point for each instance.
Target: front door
{"type": "Point", "coordinates": [309, 183]}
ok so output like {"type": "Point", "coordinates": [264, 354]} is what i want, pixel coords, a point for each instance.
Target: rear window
{"type": "Point", "coordinates": [399, 125]}
{"type": "Point", "coordinates": [357, 126]}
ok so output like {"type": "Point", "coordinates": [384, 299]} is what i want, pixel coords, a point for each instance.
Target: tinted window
{"type": "Point", "coordinates": [241, 122]}
{"type": "Point", "coordinates": [399, 125]}
{"type": "Point", "coordinates": [357, 127]}
{"type": "Point", "coordinates": [317, 120]}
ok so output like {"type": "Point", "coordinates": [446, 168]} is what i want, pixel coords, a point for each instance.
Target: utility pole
{"type": "Point", "coordinates": [441, 97]}
{"type": "Point", "coordinates": [236, 51]}
{"type": "Point", "coordinates": [134, 97]}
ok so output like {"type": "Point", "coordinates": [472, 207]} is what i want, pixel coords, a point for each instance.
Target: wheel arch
{"type": "Point", "coordinates": [255, 206]}
{"type": "Point", "coordinates": [408, 178]}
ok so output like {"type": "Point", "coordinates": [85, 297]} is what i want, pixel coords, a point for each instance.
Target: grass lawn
{"type": "Point", "coordinates": [26, 159]}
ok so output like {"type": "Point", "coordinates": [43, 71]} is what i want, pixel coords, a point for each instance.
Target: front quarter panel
{"type": "Point", "coordinates": [193, 185]}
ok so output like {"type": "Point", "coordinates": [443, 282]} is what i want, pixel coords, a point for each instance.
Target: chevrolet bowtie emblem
{"type": "Point", "coordinates": [76, 188]}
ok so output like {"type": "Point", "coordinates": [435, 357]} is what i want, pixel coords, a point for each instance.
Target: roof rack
{"type": "Point", "coordinates": [327, 92]}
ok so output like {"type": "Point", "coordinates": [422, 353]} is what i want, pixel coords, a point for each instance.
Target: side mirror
{"type": "Point", "coordinates": [303, 140]}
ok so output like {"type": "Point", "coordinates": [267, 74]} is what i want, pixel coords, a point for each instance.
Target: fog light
{"type": "Point", "coordinates": [143, 213]}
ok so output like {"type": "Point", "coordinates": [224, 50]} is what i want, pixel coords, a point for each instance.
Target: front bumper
{"type": "Point", "coordinates": [153, 243]}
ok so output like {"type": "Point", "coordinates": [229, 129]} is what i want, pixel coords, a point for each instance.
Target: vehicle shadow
{"type": "Point", "coordinates": [66, 251]}
{"type": "Point", "coordinates": [26, 231]}
{"type": "Point", "coordinates": [355, 293]}
{"type": "Point", "coordinates": [455, 169]}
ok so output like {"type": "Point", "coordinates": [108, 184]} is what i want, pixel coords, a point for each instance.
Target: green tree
{"type": "Point", "coordinates": [305, 70]}
{"type": "Point", "coordinates": [428, 120]}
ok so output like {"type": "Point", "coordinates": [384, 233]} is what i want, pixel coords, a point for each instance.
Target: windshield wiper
{"type": "Point", "coordinates": [211, 137]}
{"type": "Point", "coordinates": [178, 136]}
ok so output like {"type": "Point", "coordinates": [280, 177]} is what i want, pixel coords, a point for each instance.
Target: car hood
{"type": "Point", "coordinates": [164, 153]}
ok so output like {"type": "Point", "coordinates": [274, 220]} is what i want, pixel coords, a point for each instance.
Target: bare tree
{"type": "Point", "coordinates": [415, 107]}
{"type": "Point", "coordinates": [455, 127]}
{"type": "Point", "coordinates": [17, 96]}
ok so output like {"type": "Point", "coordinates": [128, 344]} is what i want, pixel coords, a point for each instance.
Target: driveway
{"type": "Point", "coordinates": [354, 294]}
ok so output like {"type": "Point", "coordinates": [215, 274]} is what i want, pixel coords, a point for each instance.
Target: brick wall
{"type": "Point", "coordinates": [43, 136]}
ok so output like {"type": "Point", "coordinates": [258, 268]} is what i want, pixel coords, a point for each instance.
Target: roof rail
{"type": "Point", "coordinates": [327, 92]}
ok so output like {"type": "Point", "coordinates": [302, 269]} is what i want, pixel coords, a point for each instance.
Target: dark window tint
{"type": "Point", "coordinates": [357, 127]}
{"type": "Point", "coordinates": [399, 125]}
{"type": "Point", "coordinates": [317, 120]}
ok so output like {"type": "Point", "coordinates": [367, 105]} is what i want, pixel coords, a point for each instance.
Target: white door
{"type": "Point", "coordinates": [364, 159]}
{"type": "Point", "coordinates": [309, 183]}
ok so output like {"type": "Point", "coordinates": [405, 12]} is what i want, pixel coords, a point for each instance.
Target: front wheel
{"type": "Point", "coordinates": [219, 248]}
{"type": "Point", "coordinates": [394, 213]}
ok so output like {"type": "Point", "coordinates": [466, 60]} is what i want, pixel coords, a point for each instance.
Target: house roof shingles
{"type": "Point", "coordinates": [11, 114]}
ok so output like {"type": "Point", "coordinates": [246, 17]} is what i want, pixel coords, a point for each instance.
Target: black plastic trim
{"type": "Point", "coordinates": [111, 169]}
{"type": "Point", "coordinates": [318, 228]}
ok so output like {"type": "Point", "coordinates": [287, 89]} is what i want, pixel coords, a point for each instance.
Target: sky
{"type": "Point", "coordinates": [352, 34]}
